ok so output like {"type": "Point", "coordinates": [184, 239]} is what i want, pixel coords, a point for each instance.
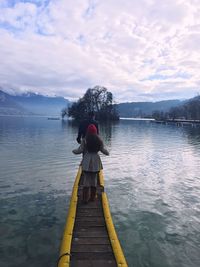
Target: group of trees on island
{"type": "Point", "coordinates": [189, 110]}
{"type": "Point", "coordinates": [98, 100]}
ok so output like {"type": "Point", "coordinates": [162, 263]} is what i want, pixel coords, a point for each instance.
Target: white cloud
{"type": "Point", "coordinates": [140, 50]}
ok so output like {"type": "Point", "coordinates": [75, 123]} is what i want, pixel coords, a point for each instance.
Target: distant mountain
{"type": "Point", "coordinates": [31, 103]}
{"type": "Point", "coordinates": [142, 109]}
{"type": "Point", "coordinates": [40, 104]}
{"type": "Point", "coordinates": [9, 107]}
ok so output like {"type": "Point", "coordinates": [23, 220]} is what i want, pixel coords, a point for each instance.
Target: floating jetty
{"type": "Point", "coordinates": [179, 122]}
{"type": "Point", "coordinates": [89, 238]}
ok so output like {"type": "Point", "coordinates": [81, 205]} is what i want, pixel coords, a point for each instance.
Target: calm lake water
{"type": "Point", "coordinates": [152, 179]}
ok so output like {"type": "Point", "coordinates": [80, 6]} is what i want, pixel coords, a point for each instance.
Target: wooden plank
{"type": "Point", "coordinates": [91, 263]}
{"type": "Point", "coordinates": [81, 263]}
{"type": "Point", "coordinates": [104, 263]}
{"type": "Point", "coordinates": [85, 212]}
{"type": "Point", "coordinates": [99, 232]}
{"type": "Point", "coordinates": [87, 224]}
{"type": "Point", "coordinates": [91, 240]}
{"type": "Point", "coordinates": [95, 204]}
{"type": "Point", "coordinates": [91, 248]}
{"type": "Point", "coordinates": [92, 214]}
{"type": "Point", "coordinates": [93, 256]}
{"type": "Point", "coordinates": [95, 219]}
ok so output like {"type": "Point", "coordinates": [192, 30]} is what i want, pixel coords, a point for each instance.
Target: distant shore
{"type": "Point", "coordinates": [138, 119]}
{"type": "Point", "coordinates": [179, 122]}
{"type": "Point", "coordinates": [30, 116]}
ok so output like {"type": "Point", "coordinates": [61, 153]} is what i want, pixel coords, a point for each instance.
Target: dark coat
{"type": "Point", "coordinates": [83, 128]}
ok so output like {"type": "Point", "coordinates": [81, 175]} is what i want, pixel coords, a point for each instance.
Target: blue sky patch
{"type": "Point", "coordinates": [12, 3]}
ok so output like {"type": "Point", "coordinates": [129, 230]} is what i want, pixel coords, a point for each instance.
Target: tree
{"type": "Point", "coordinates": [96, 99]}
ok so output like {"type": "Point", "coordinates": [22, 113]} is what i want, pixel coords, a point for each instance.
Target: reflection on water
{"type": "Point", "coordinates": [152, 180]}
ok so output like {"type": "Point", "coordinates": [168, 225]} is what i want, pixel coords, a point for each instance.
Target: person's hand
{"type": "Point", "coordinates": [78, 140]}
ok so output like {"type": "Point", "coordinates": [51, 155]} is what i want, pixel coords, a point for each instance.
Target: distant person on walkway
{"type": "Point", "coordinates": [91, 162]}
{"type": "Point", "coordinates": [84, 125]}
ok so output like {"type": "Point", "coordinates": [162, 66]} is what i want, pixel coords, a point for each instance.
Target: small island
{"type": "Point", "coordinates": [98, 100]}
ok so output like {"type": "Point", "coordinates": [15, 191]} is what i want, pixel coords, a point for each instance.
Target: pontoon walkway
{"type": "Point", "coordinates": [89, 238]}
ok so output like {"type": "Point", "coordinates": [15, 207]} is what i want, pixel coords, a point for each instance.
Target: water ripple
{"type": "Point", "coordinates": [152, 181]}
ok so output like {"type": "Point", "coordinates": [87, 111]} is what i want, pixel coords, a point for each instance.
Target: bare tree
{"type": "Point", "coordinates": [96, 99]}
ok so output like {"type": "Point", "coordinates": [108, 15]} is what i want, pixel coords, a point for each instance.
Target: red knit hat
{"type": "Point", "coordinates": [92, 129]}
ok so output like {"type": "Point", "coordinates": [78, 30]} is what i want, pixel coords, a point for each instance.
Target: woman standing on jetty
{"type": "Point", "coordinates": [91, 162]}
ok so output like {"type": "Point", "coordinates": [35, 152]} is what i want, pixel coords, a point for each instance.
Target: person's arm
{"type": "Point", "coordinates": [78, 139]}
{"type": "Point", "coordinates": [104, 151]}
{"type": "Point", "coordinates": [80, 149]}
{"type": "Point", "coordinates": [82, 131]}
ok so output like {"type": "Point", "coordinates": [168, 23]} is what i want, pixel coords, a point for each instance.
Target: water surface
{"type": "Point", "coordinates": [152, 181]}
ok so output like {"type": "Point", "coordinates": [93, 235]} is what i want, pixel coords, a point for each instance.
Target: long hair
{"type": "Point", "coordinates": [93, 143]}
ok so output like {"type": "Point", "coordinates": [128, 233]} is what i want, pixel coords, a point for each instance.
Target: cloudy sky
{"type": "Point", "coordinates": [144, 50]}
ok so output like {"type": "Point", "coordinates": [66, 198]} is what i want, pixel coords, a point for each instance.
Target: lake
{"type": "Point", "coordinates": [152, 178]}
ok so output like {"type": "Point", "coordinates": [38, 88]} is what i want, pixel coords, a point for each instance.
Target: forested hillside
{"type": "Point", "coordinates": [145, 109]}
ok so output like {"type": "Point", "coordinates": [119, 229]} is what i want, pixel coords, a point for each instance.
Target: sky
{"type": "Point", "coordinates": [147, 50]}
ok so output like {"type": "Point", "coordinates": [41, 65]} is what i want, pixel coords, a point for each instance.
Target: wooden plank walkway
{"type": "Point", "coordinates": [91, 246]}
